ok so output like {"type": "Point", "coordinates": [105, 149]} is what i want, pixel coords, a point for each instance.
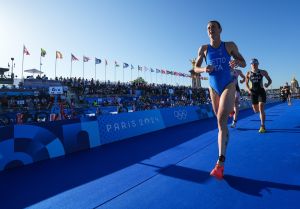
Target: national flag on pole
{"type": "Point", "coordinates": [85, 59]}
{"type": "Point", "coordinates": [157, 70]}
{"type": "Point", "coordinates": [25, 51]}
{"type": "Point", "coordinates": [163, 71]}
{"type": "Point", "coordinates": [125, 65]}
{"type": "Point", "coordinates": [116, 64]}
{"type": "Point", "coordinates": [59, 55]}
{"type": "Point", "coordinates": [151, 70]}
{"type": "Point", "coordinates": [43, 52]}
{"type": "Point", "coordinates": [145, 69]}
{"type": "Point", "coordinates": [132, 67]}
{"type": "Point", "coordinates": [73, 58]}
{"type": "Point", "coordinates": [106, 62]}
{"type": "Point", "coordinates": [97, 61]}
{"type": "Point", "coordinates": [140, 68]}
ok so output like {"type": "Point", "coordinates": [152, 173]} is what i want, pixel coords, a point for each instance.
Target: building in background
{"type": "Point", "coordinates": [196, 77]}
{"type": "Point", "coordinates": [295, 86]}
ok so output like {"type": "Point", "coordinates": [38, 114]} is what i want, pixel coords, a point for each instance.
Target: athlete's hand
{"type": "Point", "coordinates": [249, 91]}
{"type": "Point", "coordinates": [234, 63]}
{"type": "Point", "coordinates": [209, 68]}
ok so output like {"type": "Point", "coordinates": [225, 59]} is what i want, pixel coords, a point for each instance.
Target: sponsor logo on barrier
{"type": "Point", "coordinates": [123, 125]}
{"type": "Point", "coordinates": [55, 90]}
{"type": "Point", "coordinates": [180, 114]}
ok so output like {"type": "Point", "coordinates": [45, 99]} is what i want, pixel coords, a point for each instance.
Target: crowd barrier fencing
{"type": "Point", "coordinates": [24, 144]}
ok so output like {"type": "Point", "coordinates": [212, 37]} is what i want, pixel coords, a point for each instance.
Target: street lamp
{"type": "Point", "coordinates": [12, 67]}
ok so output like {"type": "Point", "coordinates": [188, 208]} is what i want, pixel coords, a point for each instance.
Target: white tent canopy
{"type": "Point", "coordinates": [33, 71]}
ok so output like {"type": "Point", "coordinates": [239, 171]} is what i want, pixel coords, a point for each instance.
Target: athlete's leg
{"type": "Point", "coordinates": [236, 106]}
{"type": "Point", "coordinates": [235, 110]}
{"type": "Point", "coordinates": [255, 108]}
{"type": "Point", "coordinates": [254, 99]}
{"type": "Point", "coordinates": [226, 104]}
{"type": "Point", "coordinates": [215, 99]}
{"type": "Point", "coordinates": [262, 113]}
{"type": "Point", "coordinates": [289, 99]}
{"type": "Point", "coordinates": [225, 107]}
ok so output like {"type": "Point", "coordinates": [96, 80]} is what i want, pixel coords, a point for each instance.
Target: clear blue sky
{"type": "Point", "coordinates": [162, 34]}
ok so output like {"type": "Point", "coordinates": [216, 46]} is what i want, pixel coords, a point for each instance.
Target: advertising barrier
{"type": "Point", "coordinates": [121, 126]}
{"type": "Point", "coordinates": [179, 115]}
{"type": "Point", "coordinates": [28, 143]}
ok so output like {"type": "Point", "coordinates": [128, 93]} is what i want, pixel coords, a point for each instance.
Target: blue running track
{"type": "Point", "coordinates": [169, 169]}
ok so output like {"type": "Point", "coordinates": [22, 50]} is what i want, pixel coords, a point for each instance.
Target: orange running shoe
{"type": "Point", "coordinates": [218, 171]}
{"type": "Point", "coordinates": [231, 114]}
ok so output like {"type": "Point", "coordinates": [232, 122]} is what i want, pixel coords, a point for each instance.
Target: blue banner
{"type": "Point", "coordinates": [125, 125]}
{"type": "Point", "coordinates": [205, 111]}
{"type": "Point", "coordinates": [179, 115]}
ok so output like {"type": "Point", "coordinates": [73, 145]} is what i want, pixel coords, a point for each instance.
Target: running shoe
{"type": "Point", "coordinates": [231, 114]}
{"type": "Point", "coordinates": [262, 129]}
{"type": "Point", "coordinates": [233, 125]}
{"type": "Point", "coordinates": [218, 171]}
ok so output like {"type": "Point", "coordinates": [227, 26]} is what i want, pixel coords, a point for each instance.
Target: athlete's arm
{"type": "Point", "coordinates": [238, 59]}
{"type": "Point", "coordinates": [247, 82]}
{"type": "Point", "coordinates": [201, 55]}
{"type": "Point", "coordinates": [265, 73]}
{"type": "Point", "coordinates": [242, 76]}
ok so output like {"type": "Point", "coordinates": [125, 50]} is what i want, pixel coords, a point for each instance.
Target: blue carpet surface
{"type": "Point", "coordinates": [170, 169]}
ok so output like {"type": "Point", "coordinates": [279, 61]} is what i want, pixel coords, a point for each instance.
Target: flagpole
{"type": "Point", "coordinates": [123, 73]}
{"type": "Point", "coordinates": [167, 78]}
{"type": "Point", "coordinates": [83, 69]}
{"type": "Point", "coordinates": [131, 74]}
{"type": "Point", "coordinates": [23, 63]}
{"type": "Point", "coordinates": [95, 72]}
{"type": "Point", "coordinates": [71, 67]}
{"type": "Point", "coordinates": [115, 74]}
{"type": "Point", "coordinates": [105, 72]}
{"type": "Point", "coordinates": [55, 68]}
{"type": "Point", "coordinates": [156, 77]}
{"type": "Point", "coordinates": [40, 64]}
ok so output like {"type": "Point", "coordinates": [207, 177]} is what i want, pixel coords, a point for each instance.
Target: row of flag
{"type": "Point", "coordinates": [125, 65]}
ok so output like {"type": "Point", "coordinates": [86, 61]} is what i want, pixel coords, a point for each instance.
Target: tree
{"type": "Point", "coordinates": [139, 80]}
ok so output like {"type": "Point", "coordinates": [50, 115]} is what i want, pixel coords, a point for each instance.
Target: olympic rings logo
{"type": "Point", "coordinates": [180, 114]}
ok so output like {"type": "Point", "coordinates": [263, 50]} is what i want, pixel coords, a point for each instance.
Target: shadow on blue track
{"type": "Point", "coordinates": [273, 130]}
{"type": "Point", "coordinates": [244, 185]}
{"type": "Point", "coordinates": [255, 187]}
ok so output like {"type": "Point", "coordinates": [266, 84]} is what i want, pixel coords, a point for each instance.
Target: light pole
{"type": "Point", "coordinates": [12, 67]}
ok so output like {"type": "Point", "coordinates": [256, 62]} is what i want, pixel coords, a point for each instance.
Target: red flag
{"type": "Point", "coordinates": [25, 51]}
